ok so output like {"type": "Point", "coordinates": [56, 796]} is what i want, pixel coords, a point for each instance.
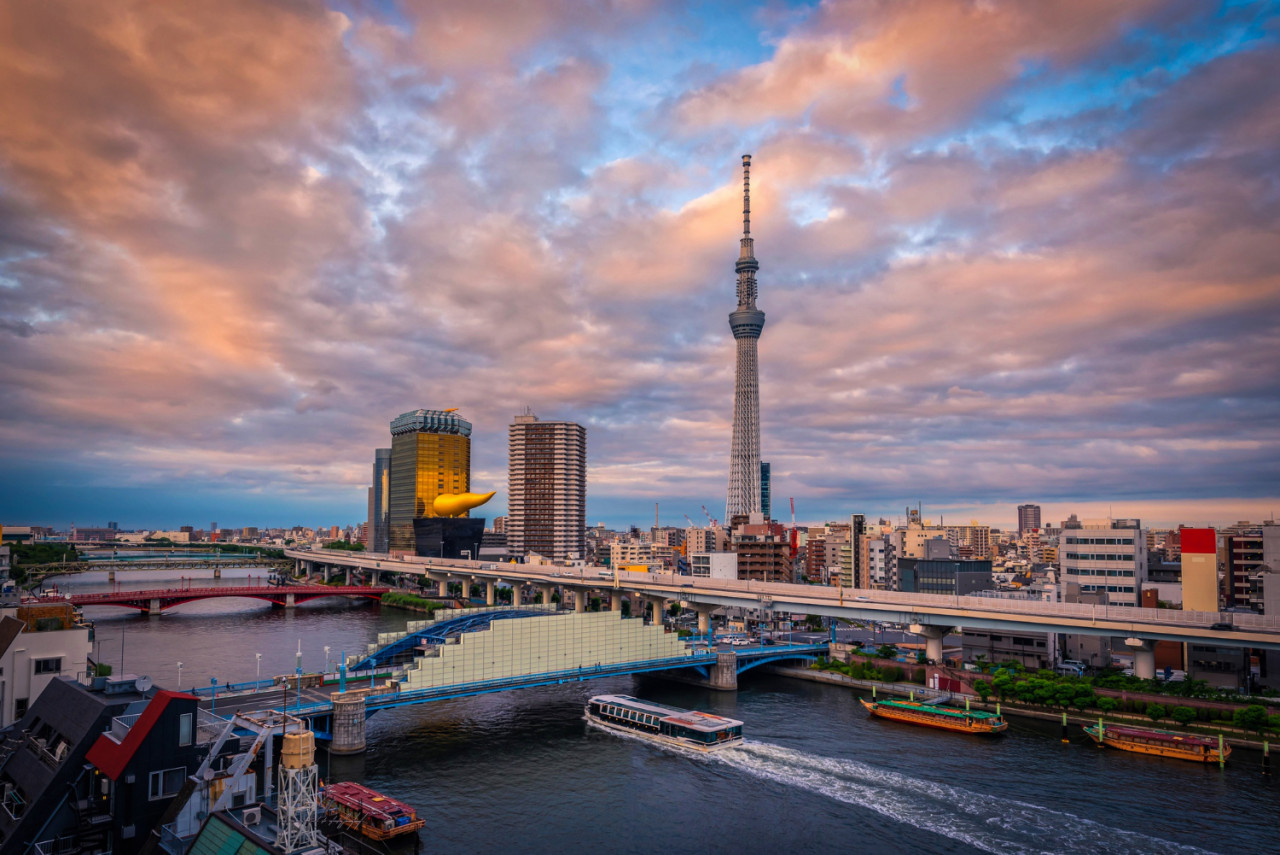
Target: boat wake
{"type": "Point", "coordinates": [992, 824]}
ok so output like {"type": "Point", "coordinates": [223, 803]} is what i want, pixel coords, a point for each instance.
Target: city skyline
{"type": "Point", "coordinates": [1015, 253]}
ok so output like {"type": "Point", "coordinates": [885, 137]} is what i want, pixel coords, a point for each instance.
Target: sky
{"type": "Point", "coordinates": [1009, 252]}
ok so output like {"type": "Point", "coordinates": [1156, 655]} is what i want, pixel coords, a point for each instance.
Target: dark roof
{"type": "Point", "coordinates": [9, 629]}
{"type": "Point", "coordinates": [112, 757]}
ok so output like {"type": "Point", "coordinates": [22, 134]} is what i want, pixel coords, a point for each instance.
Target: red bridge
{"type": "Point", "coordinates": [157, 601]}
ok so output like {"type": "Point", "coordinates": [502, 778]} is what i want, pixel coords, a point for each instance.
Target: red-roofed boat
{"type": "Point", "coordinates": [1162, 743]}
{"type": "Point", "coordinates": [367, 811]}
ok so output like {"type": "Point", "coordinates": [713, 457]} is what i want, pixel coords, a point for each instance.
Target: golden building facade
{"type": "Point", "coordinates": [430, 456]}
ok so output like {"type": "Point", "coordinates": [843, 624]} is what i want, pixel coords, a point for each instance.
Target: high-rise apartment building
{"type": "Point", "coordinates": [380, 501]}
{"type": "Point", "coordinates": [547, 487]}
{"type": "Point", "coordinates": [1106, 556]}
{"type": "Point", "coordinates": [430, 456]}
{"type": "Point", "coordinates": [746, 322]}
{"type": "Point", "coordinates": [1028, 518]}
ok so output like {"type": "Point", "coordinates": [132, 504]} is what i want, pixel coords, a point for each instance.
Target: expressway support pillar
{"type": "Point", "coordinates": [217, 572]}
{"type": "Point", "coordinates": [579, 601]}
{"type": "Point", "coordinates": [348, 577]}
{"type": "Point", "coordinates": [443, 590]}
{"type": "Point", "coordinates": [615, 600]}
{"type": "Point", "coordinates": [373, 578]}
{"type": "Point", "coordinates": [545, 591]}
{"type": "Point", "coordinates": [704, 618]}
{"type": "Point", "coordinates": [933, 636]}
{"type": "Point", "coordinates": [348, 724]}
{"type": "Point", "coordinates": [328, 570]}
{"type": "Point", "coordinates": [490, 593]}
{"type": "Point", "coordinates": [1144, 657]}
{"type": "Point", "coordinates": [659, 605]}
{"type": "Point", "coordinates": [111, 575]}
{"type": "Point", "coordinates": [724, 674]}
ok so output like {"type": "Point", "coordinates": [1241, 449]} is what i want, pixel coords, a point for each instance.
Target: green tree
{"type": "Point", "coordinates": [1108, 705]}
{"type": "Point", "coordinates": [1183, 715]}
{"type": "Point", "coordinates": [344, 545]}
{"type": "Point", "coordinates": [1084, 698]}
{"type": "Point", "coordinates": [1156, 711]}
{"type": "Point", "coordinates": [887, 651]}
{"type": "Point", "coordinates": [1252, 717]}
{"type": "Point", "coordinates": [983, 688]}
{"type": "Point", "coordinates": [1003, 684]}
{"type": "Point", "coordinates": [674, 610]}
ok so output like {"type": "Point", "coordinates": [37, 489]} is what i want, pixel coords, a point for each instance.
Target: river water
{"type": "Point", "coordinates": [522, 772]}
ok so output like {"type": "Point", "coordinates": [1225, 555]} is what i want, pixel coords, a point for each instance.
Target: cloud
{"type": "Point", "coordinates": [236, 241]}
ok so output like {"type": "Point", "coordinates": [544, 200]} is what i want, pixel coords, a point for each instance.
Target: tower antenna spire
{"type": "Point", "coordinates": [746, 195]}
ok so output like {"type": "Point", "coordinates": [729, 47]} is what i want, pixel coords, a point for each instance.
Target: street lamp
{"type": "Point", "coordinates": [179, 676]}
{"type": "Point", "coordinates": [258, 656]}
{"type": "Point", "coordinates": [326, 659]}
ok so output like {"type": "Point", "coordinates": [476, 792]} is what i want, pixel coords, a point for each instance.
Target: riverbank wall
{"type": "Point", "coordinates": [1234, 736]}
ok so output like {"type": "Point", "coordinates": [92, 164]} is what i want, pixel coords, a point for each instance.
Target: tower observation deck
{"type": "Point", "coordinates": [746, 322]}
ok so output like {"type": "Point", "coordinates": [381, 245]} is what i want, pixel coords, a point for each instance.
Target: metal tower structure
{"type": "Point", "coordinates": [297, 812]}
{"type": "Point", "coordinates": [746, 322]}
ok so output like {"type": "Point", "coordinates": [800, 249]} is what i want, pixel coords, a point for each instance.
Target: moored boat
{"type": "Point", "coordinates": [367, 811]}
{"type": "Point", "coordinates": [930, 715]}
{"type": "Point", "coordinates": [669, 725]}
{"type": "Point", "coordinates": [1161, 743]}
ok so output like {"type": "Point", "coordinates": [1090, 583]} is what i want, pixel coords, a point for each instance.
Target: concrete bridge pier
{"type": "Point", "coordinates": [348, 724]}
{"type": "Point", "coordinates": [490, 593]}
{"type": "Point", "coordinates": [704, 618]}
{"type": "Point", "coordinates": [724, 674]}
{"type": "Point", "coordinates": [516, 589]}
{"type": "Point", "coordinates": [348, 577]}
{"type": "Point", "coordinates": [1144, 657]}
{"type": "Point", "coordinates": [933, 636]}
{"type": "Point", "coordinates": [328, 568]}
{"type": "Point", "coordinates": [289, 601]}
{"type": "Point", "coordinates": [155, 607]}
{"type": "Point", "coordinates": [579, 601]}
{"type": "Point", "coordinates": [111, 575]}
{"type": "Point", "coordinates": [546, 591]}
{"type": "Point", "coordinates": [615, 600]}
{"type": "Point", "coordinates": [659, 603]}
{"type": "Point", "coordinates": [217, 572]}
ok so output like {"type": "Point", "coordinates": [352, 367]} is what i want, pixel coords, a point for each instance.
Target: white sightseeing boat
{"type": "Point", "coordinates": [684, 728]}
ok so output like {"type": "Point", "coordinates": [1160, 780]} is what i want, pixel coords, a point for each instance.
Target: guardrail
{"type": "Point", "coordinates": [121, 724]}
{"type": "Point", "coordinates": [825, 595]}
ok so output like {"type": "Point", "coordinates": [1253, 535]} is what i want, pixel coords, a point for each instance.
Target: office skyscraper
{"type": "Point", "coordinates": [1028, 518]}
{"type": "Point", "coordinates": [547, 487]}
{"type": "Point", "coordinates": [746, 322]}
{"type": "Point", "coordinates": [430, 456]}
{"type": "Point", "coordinates": [380, 501]}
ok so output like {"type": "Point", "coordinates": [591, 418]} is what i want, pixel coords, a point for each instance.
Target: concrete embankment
{"type": "Point", "coordinates": [1233, 736]}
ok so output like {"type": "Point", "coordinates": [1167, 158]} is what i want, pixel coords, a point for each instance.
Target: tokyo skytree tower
{"type": "Point", "coordinates": [746, 322]}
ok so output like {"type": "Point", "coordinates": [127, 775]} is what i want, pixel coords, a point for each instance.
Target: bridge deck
{"type": "Point", "coordinates": [274, 593]}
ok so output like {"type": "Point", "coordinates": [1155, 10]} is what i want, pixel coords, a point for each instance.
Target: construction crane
{"type": "Point", "coordinates": [714, 522]}
{"type": "Point", "coordinates": [686, 516]}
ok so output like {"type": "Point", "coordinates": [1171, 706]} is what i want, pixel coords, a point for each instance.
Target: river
{"type": "Point", "coordinates": [522, 772]}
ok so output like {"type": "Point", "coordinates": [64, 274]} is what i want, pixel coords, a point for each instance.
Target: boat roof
{"type": "Point", "coordinates": [939, 710]}
{"type": "Point", "coordinates": [370, 802]}
{"type": "Point", "coordinates": [1159, 735]}
{"type": "Point", "coordinates": [674, 715]}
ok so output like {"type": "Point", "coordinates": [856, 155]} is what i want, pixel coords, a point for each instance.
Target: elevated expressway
{"type": "Point", "coordinates": [929, 615]}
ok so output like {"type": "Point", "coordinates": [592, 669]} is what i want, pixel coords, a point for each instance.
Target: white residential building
{"type": "Point", "coordinates": [1106, 556]}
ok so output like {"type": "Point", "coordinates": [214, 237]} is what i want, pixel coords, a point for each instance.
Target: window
{"type": "Point", "coordinates": [48, 666]}
{"type": "Point", "coordinates": [165, 783]}
{"type": "Point", "coordinates": [184, 728]}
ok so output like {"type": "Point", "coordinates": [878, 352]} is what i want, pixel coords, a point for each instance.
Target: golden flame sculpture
{"type": "Point", "coordinates": [457, 504]}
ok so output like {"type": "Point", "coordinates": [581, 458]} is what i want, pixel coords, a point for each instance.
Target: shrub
{"type": "Point", "coordinates": [917, 676]}
{"type": "Point", "coordinates": [891, 673]}
{"type": "Point", "coordinates": [1183, 715]}
{"type": "Point", "coordinates": [1107, 704]}
{"type": "Point", "coordinates": [398, 598]}
{"type": "Point", "coordinates": [983, 689]}
{"type": "Point", "coordinates": [1156, 711]}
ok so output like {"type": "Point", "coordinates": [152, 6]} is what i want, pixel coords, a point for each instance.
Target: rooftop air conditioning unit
{"type": "Point", "coordinates": [251, 816]}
